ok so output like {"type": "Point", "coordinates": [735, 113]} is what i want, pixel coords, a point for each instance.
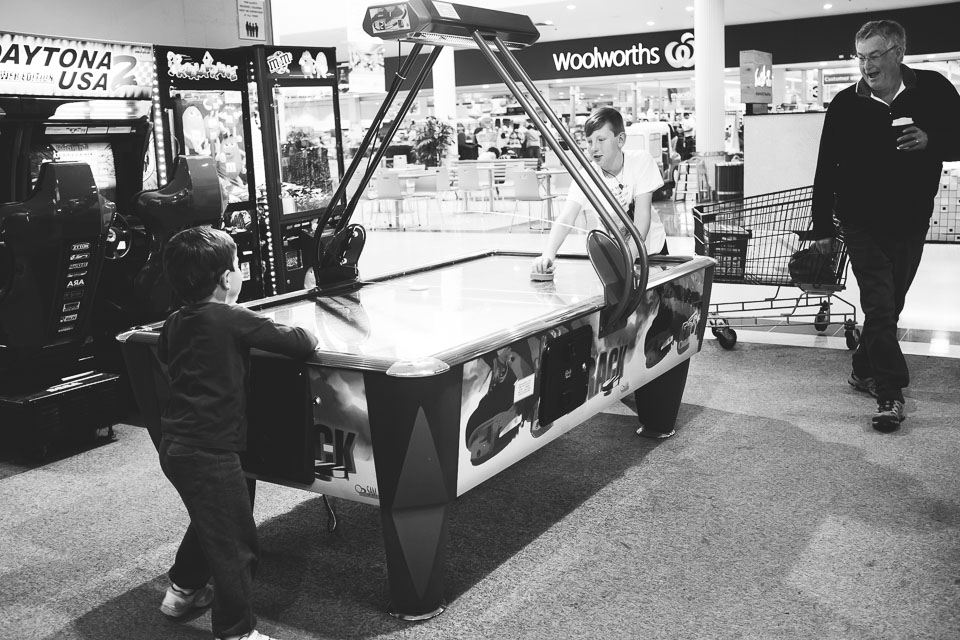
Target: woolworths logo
{"type": "Point", "coordinates": [679, 55]}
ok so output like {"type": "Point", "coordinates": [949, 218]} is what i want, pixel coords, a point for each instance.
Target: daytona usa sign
{"type": "Point", "coordinates": [42, 66]}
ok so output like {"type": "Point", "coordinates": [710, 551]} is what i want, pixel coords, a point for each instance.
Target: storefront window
{"type": "Point", "coordinates": [668, 96]}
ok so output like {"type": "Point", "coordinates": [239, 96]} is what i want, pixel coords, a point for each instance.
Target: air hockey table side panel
{"type": "Point", "coordinates": [417, 425]}
{"type": "Point", "coordinates": [499, 422]}
{"type": "Point", "coordinates": [479, 417]}
{"type": "Point", "coordinates": [369, 437]}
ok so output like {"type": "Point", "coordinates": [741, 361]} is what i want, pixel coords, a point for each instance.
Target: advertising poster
{"type": "Point", "coordinates": [500, 398]}
{"type": "Point", "coordinates": [42, 66]}
{"type": "Point", "coordinates": [300, 63]}
{"type": "Point", "coordinates": [343, 453]}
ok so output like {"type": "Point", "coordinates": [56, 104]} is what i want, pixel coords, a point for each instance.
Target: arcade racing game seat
{"type": "Point", "coordinates": [51, 253]}
{"type": "Point", "coordinates": [191, 198]}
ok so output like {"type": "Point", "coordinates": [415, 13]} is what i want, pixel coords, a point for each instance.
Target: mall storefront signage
{"type": "Point", "coordinates": [583, 58]}
{"type": "Point", "coordinates": [756, 77]}
{"type": "Point", "coordinates": [660, 52]}
{"type": "Point", "coordinates": [43, 66]}
{"type": "Point", "coordinates": [930, 29]}
{"type": "Point", "coordinates": [593, 57]}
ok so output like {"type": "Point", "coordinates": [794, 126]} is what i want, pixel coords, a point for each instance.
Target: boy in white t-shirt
{"type": "Point", "coordinates": [632, 176]}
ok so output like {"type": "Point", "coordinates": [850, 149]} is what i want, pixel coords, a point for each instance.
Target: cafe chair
{"type": "Point", "coordinates": [432, 187]}
{"type": "Point", "coordinates": [526, 186]}
{"type": "Point", "coordinates": [471, 181]}
{"type": "Point", "coordinates": [389, 188]}
{"type": "Point", "coordinates": [561, 184]}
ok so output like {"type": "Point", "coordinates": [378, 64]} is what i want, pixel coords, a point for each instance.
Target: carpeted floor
{"type": "Point", "coordinates": [776, 512]}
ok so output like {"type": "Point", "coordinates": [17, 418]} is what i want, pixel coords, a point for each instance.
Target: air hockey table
{"type": "Point", "coordinates": [429, 382]}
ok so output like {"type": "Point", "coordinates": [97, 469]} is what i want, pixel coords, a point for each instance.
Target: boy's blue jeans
{"type": "Point", "coordinates": [884, 265]}
{"type": "Point", "coordinates": [221, 541]}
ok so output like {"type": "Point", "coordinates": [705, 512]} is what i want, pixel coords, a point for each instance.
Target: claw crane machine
{"type": "Point", "coordinates": [202, 112]}
{"type": "Point", "coordinates": [270, 116]}
{"type": "Point", "coordinates": [294, 101]}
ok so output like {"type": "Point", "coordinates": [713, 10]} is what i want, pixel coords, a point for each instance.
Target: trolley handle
{"type": "Point", "coordinates": [702, 219]}
{"type": "Point", "coordinates": [705, 218]}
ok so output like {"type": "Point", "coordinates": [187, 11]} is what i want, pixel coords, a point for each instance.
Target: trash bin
{"type": "Point", "coordinates": [729, 180]}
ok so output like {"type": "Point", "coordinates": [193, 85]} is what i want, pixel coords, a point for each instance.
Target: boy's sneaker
{"type": "Point", "coordinates": [889, 415]}
{"type": "Point", "coordinates": [867, 385]}
{"type": "Point", "coordinates": [253, 635]}
{"type": "Point", "coordinates": [179, 602]}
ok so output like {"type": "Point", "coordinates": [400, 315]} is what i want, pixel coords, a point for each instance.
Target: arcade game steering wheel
{"type": "Point", "coordinates": [119, 239]}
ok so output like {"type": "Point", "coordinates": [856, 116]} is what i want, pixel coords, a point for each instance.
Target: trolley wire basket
{"type": "Point", "coordinates": [767, 240]}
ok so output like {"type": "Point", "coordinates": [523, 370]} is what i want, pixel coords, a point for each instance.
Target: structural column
{"type": "Point", "coordinates": [445, 90]}
{"type": "Point", "coordinates": [708, 24]}
{"type": "Point", "coordinates": [445, 86]}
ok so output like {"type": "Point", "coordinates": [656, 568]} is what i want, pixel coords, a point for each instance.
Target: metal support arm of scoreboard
{"type": "Point", "coordinates": [444, 23]}
{"type": "Point", "coordinates": [634, 281]}
{"type": "Point", "coordinates": [327, 242]}
{"type": "Point", "coordinates": [381, 150]}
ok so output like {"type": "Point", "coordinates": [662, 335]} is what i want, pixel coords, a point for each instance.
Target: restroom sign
{"type": "Point", "coordinates": [756, 77]}
{"type": "Point", "coordinates": [250, 15]}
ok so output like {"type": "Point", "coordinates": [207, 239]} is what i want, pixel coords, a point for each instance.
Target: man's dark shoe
{"type": "Point", "coordinates": [889, 415]}
{"type": "Point", "coordinates": [867, 385]}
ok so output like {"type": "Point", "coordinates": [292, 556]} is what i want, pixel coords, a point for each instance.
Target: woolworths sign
{"type": "Point", "coordinates": [677, 54]}
{"type": "Point", "coordinates": [587, 57]}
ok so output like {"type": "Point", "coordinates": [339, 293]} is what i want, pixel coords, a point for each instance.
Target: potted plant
{"type": "Point", "coordinates": [432, 140]}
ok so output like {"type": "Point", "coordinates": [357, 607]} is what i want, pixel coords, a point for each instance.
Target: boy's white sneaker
{"type": "Point", "coordinates": [253, 635]}
{"type": "Point", "coordinates": [179, 602]}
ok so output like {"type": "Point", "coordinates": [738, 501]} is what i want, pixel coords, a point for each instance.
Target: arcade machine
{"type": "Point", "coordinates": [270, 118]}
{"type": "Point", "coordinates": [429, 382]}
{"type": "Point", "coordinates": [86, 102]}
{"type": "Point", "coordinates": [52, 246]}
{"type": "Point", "coordinates": [202, 111]}
{"type": "Point", "coordinates": [295, 100]}
{"type": "Point", "coordinates": [64, 101]}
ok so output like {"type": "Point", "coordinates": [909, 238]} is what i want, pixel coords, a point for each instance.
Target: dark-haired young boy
{"type": "Point", "coordinates": [206, 348]}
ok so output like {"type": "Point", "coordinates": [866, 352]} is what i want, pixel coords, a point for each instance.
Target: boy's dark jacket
{"type": "Point", "coordinates": [206, 348]}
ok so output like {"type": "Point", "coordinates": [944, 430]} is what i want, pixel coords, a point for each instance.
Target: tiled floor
{"type": "Point", "coordinates": [930, 323]}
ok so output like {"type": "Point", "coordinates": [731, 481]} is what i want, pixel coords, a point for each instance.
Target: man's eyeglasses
{"type": "Point", "coordinates": [873, 57]}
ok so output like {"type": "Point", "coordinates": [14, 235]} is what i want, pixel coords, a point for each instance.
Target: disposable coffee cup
{"type": "Point", "coordinates": [898, 128]}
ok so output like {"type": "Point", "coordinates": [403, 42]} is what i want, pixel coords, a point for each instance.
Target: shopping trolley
{"type": "Point", "coordinates": [753, 239]}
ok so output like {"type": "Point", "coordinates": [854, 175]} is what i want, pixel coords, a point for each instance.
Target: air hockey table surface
{"type": "Point", "coordinates": [449, 311]}
{"type": "Point", "coordinates": [427, 383]}
{"type": "Point", "coordinates": [442, 312]}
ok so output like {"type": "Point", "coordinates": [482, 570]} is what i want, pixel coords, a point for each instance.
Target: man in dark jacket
{"type": "Point", "coordinates": [881, 152]}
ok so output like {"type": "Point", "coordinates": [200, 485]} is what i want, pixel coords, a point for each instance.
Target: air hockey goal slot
{"type": "Point", "coordinates": [565, 373]}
